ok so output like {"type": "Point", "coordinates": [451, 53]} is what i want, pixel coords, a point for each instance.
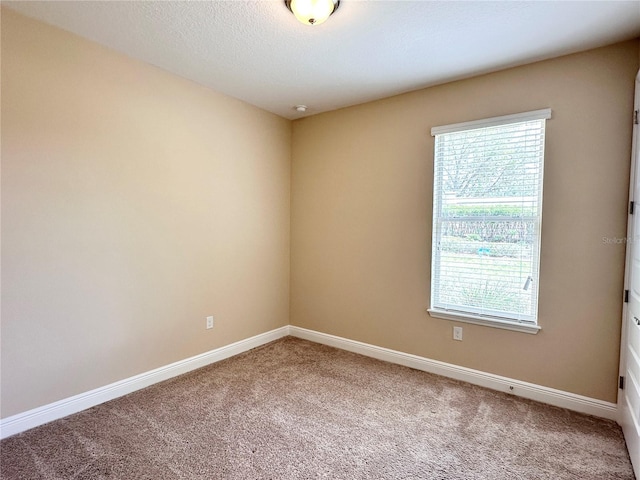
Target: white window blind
{"type": "Point", "coordinates": [487, 211]}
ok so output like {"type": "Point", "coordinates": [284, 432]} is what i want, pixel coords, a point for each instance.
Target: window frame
{"type": "Point", "coordinates": [529, 325]}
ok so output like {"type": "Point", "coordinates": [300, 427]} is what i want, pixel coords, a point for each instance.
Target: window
{"type": "Point", "coordinates": [487, 212]}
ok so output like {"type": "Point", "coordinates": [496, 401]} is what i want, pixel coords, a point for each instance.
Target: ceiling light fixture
{"type": "Point", "coordinates": [312, 12]}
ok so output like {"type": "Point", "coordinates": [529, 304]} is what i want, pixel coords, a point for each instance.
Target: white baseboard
{"type": "Point", "coordinates": [53, 411]}
{"type": "Point", "coordinates": [551, 396]}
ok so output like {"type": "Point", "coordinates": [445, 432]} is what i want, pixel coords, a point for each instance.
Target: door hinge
{"type": "Point", "coordinates": [635, 117]}
{"type": "Point", "coordinates": [631, 205]}
{"type": "Point", "coordinates": [621, 383]}
{"type": "Point", "coordinates": [626, 296]}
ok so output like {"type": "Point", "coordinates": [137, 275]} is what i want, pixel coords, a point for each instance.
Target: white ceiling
{"type": "Point", "coordinates": [258, 52]}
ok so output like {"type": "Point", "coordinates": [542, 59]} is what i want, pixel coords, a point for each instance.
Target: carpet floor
{"type": "Point", "coordinates": [293, 409]}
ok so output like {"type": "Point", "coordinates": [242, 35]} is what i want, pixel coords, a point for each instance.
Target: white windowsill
{"type": "Point", "coordinates": [487, 322]}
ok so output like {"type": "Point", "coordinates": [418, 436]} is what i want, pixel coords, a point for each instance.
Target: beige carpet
{"type": "Point", "coordinates": [298, 410]}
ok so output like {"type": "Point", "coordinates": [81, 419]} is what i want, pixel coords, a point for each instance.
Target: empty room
{"type": "Point", "coordinates": [299, 239]}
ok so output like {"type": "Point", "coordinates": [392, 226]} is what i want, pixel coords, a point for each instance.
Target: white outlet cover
{"type": "Point", "coordinates": [457, 333]}
{"type": "Point", "coordinates": [210, 322]}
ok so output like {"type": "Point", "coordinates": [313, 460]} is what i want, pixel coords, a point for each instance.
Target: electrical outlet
{"type": "Point", "coordinates": [210, 322]}
{"type": "Point", "coordinates": [457, 333]}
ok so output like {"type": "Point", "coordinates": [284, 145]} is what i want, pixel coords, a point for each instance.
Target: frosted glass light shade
{"type": "Point", "coordinates": [312, 12]}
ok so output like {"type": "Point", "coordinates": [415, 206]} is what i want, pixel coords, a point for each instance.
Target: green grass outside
{"type": "Point", "coordinates": [484, 281]}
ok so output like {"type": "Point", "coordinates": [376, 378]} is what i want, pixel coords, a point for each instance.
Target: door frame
{"type": "Point", "coordinates": [631, 219]}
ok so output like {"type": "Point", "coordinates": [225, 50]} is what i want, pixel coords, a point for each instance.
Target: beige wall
{"type": "Point", "coordinates": [134, 203]}
{"type": "Point", "coordinates": [361, 220]}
